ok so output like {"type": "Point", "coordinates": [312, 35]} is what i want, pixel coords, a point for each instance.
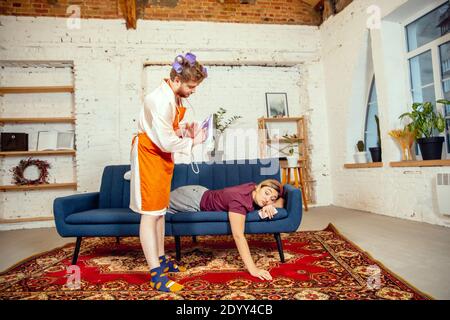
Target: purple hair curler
{"type": "Point", "coordinates": [177, 65]}
{"type": "Point", "coordinates": [191, 58]}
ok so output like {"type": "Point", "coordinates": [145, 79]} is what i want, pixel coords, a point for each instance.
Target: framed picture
{"type": "Point", "coordinates": [277, 105]}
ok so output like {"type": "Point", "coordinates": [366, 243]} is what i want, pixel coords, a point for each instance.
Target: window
{"type": "Point", "coordinates": [370, 129]}
{"type": "Point", "coordinates": [422, 83]}
{"type": "Point", "coordinates": [427, 28]}
{"type": "Point", "coordinates": [428, 42]}
{"type": "Point", "coordinates": [444, 54]}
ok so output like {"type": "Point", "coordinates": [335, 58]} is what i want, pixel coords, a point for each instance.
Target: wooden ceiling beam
{"type": "Point", "coordinates": [129, 13]}
{"type": "Point", "coordinates": [312, 3]}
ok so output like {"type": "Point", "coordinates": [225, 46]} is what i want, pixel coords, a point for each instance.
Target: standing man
{"type": "Point", "coordinates": [160, 134]}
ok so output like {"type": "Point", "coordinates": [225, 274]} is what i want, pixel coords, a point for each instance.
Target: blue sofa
{"type": "Point", "coordinates": [106, 213]}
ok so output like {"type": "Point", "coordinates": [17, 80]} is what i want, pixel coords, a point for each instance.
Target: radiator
{"type": "Point", "coordinates": [443, 192]}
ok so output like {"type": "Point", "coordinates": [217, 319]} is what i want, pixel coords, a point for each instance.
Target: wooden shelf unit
{"type": "Point", "coordinates": [16, 120]}
{"type": "Point", "coordinates": [39, 187]}
{"type": "Point", "coordinates": [301, 141]}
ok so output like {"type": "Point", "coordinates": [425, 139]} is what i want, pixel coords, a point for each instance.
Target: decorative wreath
{"type": "Point", "coordinates": [18, 172]}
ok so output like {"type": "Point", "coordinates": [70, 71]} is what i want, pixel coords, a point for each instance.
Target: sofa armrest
{"type": "Point", "coordinates": [293, 205]}
{"type": "Point", "coordinates": [65, 206]}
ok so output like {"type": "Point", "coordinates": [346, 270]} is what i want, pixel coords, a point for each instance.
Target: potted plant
{"type": "Point", "coordinates": [220, 125]}
{"type": "Point", "coordinates": [361, 155]}
{"type": "Point", "coordinates": [375, 152]}
{"type": "Point", "coordinates": [291, 156]}
{"type": "Point", "coordinates": [427, 124]}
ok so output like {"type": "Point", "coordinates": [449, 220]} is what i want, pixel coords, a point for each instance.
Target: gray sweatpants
{"type": "Point", "coordinates": [186, 199]}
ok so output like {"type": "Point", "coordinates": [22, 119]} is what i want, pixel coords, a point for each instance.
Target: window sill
{"type": "Point", "coordinates": [422, 163]}
{"type": "Point", "coordinates": [363, 165]}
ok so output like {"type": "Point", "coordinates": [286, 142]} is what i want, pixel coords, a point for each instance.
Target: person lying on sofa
{"type": "Point", "coordinates": [237, 201]}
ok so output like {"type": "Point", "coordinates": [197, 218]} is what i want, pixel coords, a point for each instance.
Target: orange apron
{"type": "Point", "coordinates": [156, 170]}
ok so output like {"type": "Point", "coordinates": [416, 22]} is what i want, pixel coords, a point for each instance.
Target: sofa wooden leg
{"type": "Point", "coordinates": [178, 248]}
{"type": "Point", "coordinates": [76, 251]}
{"type": "Point", "coordinates": [280, 246]}
{"type": "Point", "coordinates": [194, 239]}
{"type": "Point", "coordinates": [117, 240]}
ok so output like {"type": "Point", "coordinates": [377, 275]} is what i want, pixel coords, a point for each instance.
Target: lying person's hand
{"type": "Point", "coordinates": [261, 274]}
{"type": "Point", "coordinates": [269, 211]}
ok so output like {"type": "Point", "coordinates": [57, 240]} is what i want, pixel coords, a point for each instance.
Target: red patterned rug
{"type": "Point", "coordinates": [319, 265]}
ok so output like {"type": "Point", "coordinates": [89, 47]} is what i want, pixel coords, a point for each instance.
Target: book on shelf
{"type": "Point", "coordinates": [54, 140]}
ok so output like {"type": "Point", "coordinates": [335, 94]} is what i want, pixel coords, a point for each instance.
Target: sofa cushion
{"type": "Point", "coordinates": [214, 216]}
{"type": "Point", "coordinates": [104, 216]}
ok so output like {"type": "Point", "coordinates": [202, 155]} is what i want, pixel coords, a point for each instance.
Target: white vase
{"type": "Point", "coordinates": [292, 161]}
{"type": "Point", "coordinates": [216, 155]}
{"type": "Point", "coordinates": [361, 157]}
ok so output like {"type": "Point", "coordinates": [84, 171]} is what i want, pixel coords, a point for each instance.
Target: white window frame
{"type": "Point", "coordinates": [433, 46]}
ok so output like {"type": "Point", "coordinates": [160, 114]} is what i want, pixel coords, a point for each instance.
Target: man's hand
{"type": "Point", "coordinates": [191, 129]}
{"type": "Point", "coordinates": [200, 137]}
{"type": "Point", "coordinates": [261, 274]}
{"type": "Point", "coordinates": [188, 130]}
{"type": "Point", "coordinates": [269, 211]}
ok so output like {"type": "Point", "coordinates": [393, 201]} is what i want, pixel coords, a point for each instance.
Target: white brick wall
{"type": "Point", "coordinates": [400, 192]}
{"type": "Point", "coordinates": [109, 81]}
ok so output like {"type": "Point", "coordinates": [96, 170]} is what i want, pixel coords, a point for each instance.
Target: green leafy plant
{"type": "Point", "coordinates": [220, 124]}
{"type": "Point", "coordinates": [424, 120]}
{"type": "Point", "coordinates": [360, 146]}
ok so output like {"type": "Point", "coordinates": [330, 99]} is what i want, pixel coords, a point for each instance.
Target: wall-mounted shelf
{"type": "Point", "coordinates": [283, 140]}
{"type": "Point", "coordinates": [301, 159]}
{"type": "Point", "coordinates": [37, 153]}
{"type": "Point", "coordinates": [69, 185]}
{"type": "Point", "coordinates": [49, 89]}
{"type": "Point", "coordinates": [363, 165]}
{"type": "Point", "coordinates": [284, 119]}
{"type": "Point", "coordinates": [38, 120]}
{"type": "Point", "coordinates": [50, 85]}
{"type": "Point", "coordinates": [423, 163]}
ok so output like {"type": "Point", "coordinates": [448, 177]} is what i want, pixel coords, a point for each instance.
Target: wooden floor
{"type": "Point", "coordinates": [417, 252]}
